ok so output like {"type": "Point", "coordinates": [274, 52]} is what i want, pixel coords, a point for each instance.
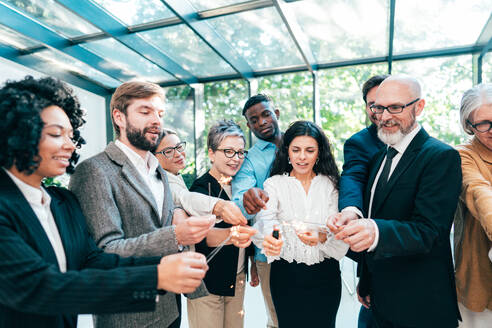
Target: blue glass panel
{"type": "Point", "coordinates": [132, 12]}
{"type": "Point", "coordinates": [342, 30]}
{"type": "Point", "coordinates": [13, 38]}
{"type": "Point", "coordinates": [260, 36]}
{"type": "Point", "coordinates": [55, 16]}
{"type": "Point", "coordinates": [207, 4]}
{"type": "Point", "coordinates": [75, 66]}
{"type": "Point", "coordinates": [424, 25]}
{"type": "Point", "coordinates": [188, 50]}
{"type": "Point", "coordinates": [129, 61]}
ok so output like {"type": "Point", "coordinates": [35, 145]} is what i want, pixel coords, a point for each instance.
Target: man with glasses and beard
{"type": "Point", "coordinates": [407, 273]}
{"type": "Point", "coordinates": [125, 197]}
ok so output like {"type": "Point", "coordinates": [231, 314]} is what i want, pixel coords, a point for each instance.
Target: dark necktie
{"type": "Point", "coordinates": [383, 178]}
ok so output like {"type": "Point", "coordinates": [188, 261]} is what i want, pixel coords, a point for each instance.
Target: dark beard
{"type": "Point", "coordinates": [137, 138]}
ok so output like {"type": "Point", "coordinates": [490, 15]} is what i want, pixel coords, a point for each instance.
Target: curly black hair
{"type": "Point", "coordinates": [326, 162]}
{"type": "Point", "coordinates": [21, 104]}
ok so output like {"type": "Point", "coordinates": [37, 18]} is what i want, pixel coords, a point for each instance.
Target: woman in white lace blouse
{"type": "Point", "coordinates": [303, 192]}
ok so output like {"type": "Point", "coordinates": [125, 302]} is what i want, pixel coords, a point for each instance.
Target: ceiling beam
{"type": "Point", "coordinates": [109, 25]}
{"type": "Point", "coordinates": [23, 24]}
{"type": "Point", "coordinates": [391, 35]}
{"type": "Point", "coordinates": [297, 34]}
{"type": "Point", "coordinates": [187, 13]}
{"type": "Point", "coordinates": [446, 52]}
{"type": "Point", "coordinates": [202, 15]}
{"type": "Point", "coordinates": [49, 69]}
{"type": "Point", "coordinates": [486, 32]}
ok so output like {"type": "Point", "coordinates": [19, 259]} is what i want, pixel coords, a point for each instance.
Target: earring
{"type": "Point", "coordinates": [288, 160]}
{"type": "Point", "coordinates": [317, 160]}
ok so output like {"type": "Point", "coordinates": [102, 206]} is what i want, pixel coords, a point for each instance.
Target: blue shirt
{"type": "Point", "coordinates": [254, 171]}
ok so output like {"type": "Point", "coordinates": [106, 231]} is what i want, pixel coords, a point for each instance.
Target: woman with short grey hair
{"type": "Point", "coordinates": [473, 240]}
{"type": "Point", "coordinates": [226, 278]}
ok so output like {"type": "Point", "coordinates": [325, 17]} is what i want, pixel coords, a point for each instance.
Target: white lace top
{"type": "Point", "coordinates": [289, 207]}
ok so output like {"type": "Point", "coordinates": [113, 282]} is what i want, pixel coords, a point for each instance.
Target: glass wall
{"type": "Point", "coordinates": [341, 104]}
{"type": "Point", "coordinates": [487, 68]}
{"type": "Point", "coordinates": [179, 117]}
{"type": "Point", "coordinates": [292, 94]}
{"type": "Point", "coordinates": [444, 80]}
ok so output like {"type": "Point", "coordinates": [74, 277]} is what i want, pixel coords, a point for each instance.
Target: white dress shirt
{"type": "Point", "coordinates": [147, 168]}
{"type": "Point", "coordinates": [288, 207]}
{"type": "Point", "coordinates": [40, 202]}
{"type": "Point", "coordinates": [400, 147]}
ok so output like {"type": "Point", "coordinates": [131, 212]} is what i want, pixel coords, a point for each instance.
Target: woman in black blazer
{"type": "Point", "coordinates": [50, 268]}
{"type": "Point", "coordinates": [226, 278]}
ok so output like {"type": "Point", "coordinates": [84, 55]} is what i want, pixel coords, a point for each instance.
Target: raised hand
{"type": "Point", "coordinates": [336, 222]}
{"type": "Point", "coordinates": [359, 234]}
{"type": "Point", "coordinates": [254, 200]}
{"type": "Point", "coordinates": [272, 245]}
{"type": "Point", "coordinates": [229, 212]}
{"type": "Point", "coordinates": [193, 229]}
{"type": "Point", "coordinates": [181, 273]}
{"type": "Point", "coordinates": [241, 236]}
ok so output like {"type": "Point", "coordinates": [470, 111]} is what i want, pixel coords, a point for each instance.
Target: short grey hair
{"type": "Point", "coordinates": [472, 100]}
{"type": "Point", "coordinates": [221, 130]}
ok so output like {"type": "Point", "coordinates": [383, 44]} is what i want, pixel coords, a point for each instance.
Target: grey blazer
{"type": "Point", "coordinates": [122, 216]}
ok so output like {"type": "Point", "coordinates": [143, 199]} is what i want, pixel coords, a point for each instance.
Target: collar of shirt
{"type": "Point", "coordinates": [263, 144]}
{"type": "Point", "coordinates": [403, 144]}
{"type": "Point", "coordinates": [145, 166]}
{"type": "Point", "coordinates": [33, 195]}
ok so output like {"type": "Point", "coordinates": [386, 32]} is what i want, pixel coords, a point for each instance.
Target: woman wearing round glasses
{"type": "Point", "coordinates": [172, 156]}
{"type": "Point", "coordinates": [226, 277]}
{"type": "Point", "coordinates": [473, 236]}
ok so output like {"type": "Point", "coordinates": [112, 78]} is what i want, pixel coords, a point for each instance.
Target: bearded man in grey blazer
{"type": "Point", "coordinates": [125, 197]}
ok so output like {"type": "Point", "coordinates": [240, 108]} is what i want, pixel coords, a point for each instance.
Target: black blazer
{"type": "Point", "coordinates": [220, 278]}
{"type": "Point", "coordinates": [33, 291]}
{"type": "Point", "coordinates": [409, 275]}
{"type": "Point", "coordinates": [358, 151]}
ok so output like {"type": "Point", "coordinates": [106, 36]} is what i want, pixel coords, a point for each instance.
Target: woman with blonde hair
{"type": "Point", "coordinates": [473, 237]}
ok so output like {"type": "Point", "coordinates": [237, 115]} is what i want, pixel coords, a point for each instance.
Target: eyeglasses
{"type": "Point", "coordinates": [168, 152]}
{"type": "Point", "coordinates": [392, 109]}
{"type": "Point", "coordinates": [230, 153]}
{"type": "Point", "coordinates": [482, 127]}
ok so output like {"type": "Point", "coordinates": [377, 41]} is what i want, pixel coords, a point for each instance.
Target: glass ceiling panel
{"type": "Point", "coordinates": [13, 38]}
{"type": "Point", "coordinates": [129, 61]}
{"type": "Point", "coordinates": [207, 4]}
{"type": "Point", "coordinates": [54, 16]}
{"type": "Point", "coordinates": [342, 30]}
{"type": "Point", "coordinates": [187, 49]}
{"type": "Point", "coordinates": [424, 25]}
{"type": "Point", "coordinates": [132, 12]}
{"type": "Point", "coordinates": [260, 36]}
{"type": "Point", "coordinates": [68, 63]}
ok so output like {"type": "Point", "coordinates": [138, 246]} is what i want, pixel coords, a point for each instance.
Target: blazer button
{"type": "Point", "coordinates": [135, 295]}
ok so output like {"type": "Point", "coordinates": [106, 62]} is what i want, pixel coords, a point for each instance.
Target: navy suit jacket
{"type": "Point", "coordinates": [410, 275]}
{"type": "Point", "coordinates": [33, 291]}
{"type": "Point", "coordinates": [358, 150]}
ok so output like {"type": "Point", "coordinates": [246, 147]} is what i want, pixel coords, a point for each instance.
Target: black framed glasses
{"type": "Point", "coordinates": [392, 109]}
{"type": "Point", "coordinates": [168, 152]}
{"type": "Point", "coordinates": [482, 127]}
{"type": "Point", "coordinates": [230, 153]}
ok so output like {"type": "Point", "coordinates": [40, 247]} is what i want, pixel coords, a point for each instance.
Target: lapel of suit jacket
{"type": "Point", "coordinates": [25, 213]}
{"type": "Point", "coordinates": [403, 164]}
{"type": "Point", "coordinates": [59, 214]}
{"type": "Point", "coordinates": [132, 176]}
{"type": "Point", "coordinates": [166, 220]}
{"type": "Point", "coordinates": [378, 159]}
